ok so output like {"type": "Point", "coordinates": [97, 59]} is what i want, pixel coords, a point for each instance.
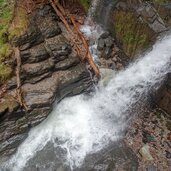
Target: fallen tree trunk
{"type": "Point", "coordinates": [77, 38]}
{"type": "Point", "coordinates": [20, 98]}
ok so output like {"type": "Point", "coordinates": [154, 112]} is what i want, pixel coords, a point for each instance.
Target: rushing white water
{"type": "Point", "coordinates": [82, 125]}
{"type": "Point", "coordinates": [85, 125]}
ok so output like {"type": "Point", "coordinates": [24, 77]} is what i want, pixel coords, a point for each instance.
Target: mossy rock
{"type": "Point", "coordinates": [10, 26]}
{"type": "Point", "coordinates": [133, 35]}
{"type": "Point", "coordinates": [8, 104]}
{"type": "Point", "coordinates": [164, 12]}
{"type": "Point", "coordinates": [85, 4]}
{"type": "Point", "coordinates": [5, 73]}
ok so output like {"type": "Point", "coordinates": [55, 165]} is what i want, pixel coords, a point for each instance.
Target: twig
{"type": "Point", "coordinates": [18, 69]}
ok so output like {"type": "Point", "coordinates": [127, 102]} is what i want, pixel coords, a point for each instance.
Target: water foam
{"type": "Point", "coordinates": [85, 125]}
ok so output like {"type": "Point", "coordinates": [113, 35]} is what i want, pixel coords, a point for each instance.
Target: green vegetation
{"type": "Point", "coordinates": [164, 12]}
{"type": "Point", "coordinates": [85, 4]}
{"type": "Point", "coordinates": [131, 33]}
{"type": "Point", "coordinates": [10, 27]}
{"type": "Point", "coordinates": [160, 2]}
{"type": "Point", "coordinates": [5, 72]}
{"type": "Point", "coordinates": [5, 17]}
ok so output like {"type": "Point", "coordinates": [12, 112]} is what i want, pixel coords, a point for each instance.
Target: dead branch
{"type": "Point", "coordinates": [77, 38]}
{"type": "Point", "coordinates": [20, 98]}
{"type": "Point", "coordinates": [88, 54]}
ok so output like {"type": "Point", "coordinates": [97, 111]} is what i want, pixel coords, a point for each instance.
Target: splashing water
{"type": "Point", "coordinates": [85, 125]}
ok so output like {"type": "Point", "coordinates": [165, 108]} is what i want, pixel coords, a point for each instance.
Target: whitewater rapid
{"type": "Point", "coordinates": [82, 125]}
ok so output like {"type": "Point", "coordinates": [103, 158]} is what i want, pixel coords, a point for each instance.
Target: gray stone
{"type": "Point", "coordinates": [101, 44]}
{"type": "Point", "coordinates": [37, 69]}
{"type": "Point", "coordinates": [151, 168]}
{"type": "Point", "coordinates": [50, 72]}
{"type": "Point", "coordinates": [35, 54]}
{"type": "Point", "coordinates": [67, 63]}
{"type": "Point", "coordinates": [58, 47]}
{"type": "Point", "coordinates": [31, 38]}
{"type": "Point", "coordinates": [145, 153]}
{"type": "Point", "coordinates": [109, 42]}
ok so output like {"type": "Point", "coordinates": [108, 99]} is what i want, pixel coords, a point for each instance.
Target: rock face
{"type": "Point", "coordinates": [137, 24]}
{"type": "Point", "coordinates": [50, 71]}
{"type": "Point", "coordinates": [164, 95]}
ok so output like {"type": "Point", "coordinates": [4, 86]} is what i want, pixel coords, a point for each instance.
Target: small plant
{"type": "Point", "coordinates": [10, 27]}
{"type": "Point", "coordinates": [160, 2]}
{"type": "Point", "coordinates": [5, 73]}
{"type": "Point", "coordinates": [85, 4]}
{"type": "Point", "coordinates": [131, 33]}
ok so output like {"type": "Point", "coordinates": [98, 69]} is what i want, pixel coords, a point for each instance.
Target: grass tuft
{"type": "Point", "coordinates": [133, 35]}
{"type": "Point", "coordinates": [5, 73]}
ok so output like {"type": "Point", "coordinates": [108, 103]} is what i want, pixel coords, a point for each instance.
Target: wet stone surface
{"type": "Point", "coordinates": [117, 156]}
{"type": "Point", "coordinates": [148, 136]}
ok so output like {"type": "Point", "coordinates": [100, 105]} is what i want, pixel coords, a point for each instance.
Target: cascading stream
{"type": "Point", "coordinates": [83, 125]}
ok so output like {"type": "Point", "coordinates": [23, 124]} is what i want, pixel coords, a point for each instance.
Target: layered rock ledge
{"type": "Point", "coordinates": [50, 71]}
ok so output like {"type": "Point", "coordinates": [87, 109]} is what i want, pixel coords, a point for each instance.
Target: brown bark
{"type": "Point", "coordinates": [20, 98]}
{"type": "Point", "coordinates": [77, 38]}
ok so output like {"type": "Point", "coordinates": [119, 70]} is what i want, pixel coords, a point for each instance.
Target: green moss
{"type": "Point", "coordinates": [5, 73]}
{"type": "Point", "coordinates": [160, 2]}
{"type": "Point", "coordinates": [85, 4]}
{"type": "Point", "coordinates": [8, 30]}
{"type": "Point", "coordinates": [131, 33]}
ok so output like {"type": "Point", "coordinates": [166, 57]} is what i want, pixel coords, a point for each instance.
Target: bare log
{"type": "Point", "coordinates": [79, 42]}
{"type": "Point", "coordinates": [20, 99]}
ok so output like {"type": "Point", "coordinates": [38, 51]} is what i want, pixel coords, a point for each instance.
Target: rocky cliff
{"type": "Point", "coordinates": [50, 71]}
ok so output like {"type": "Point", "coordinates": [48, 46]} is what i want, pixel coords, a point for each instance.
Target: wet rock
{"type": "Point", "coordinates": [12, 83]}
{"type": "Point", "coordinates": [145, 153]}
{"type": "Point", "coordinates": [51, 31]}
{"type": "Point", "coordinates": [58, 47]}
{"type": "Point", "coordinates": [105, 45]}
{"type": "Point", "coordinates": [3, 110]}
{"type": "Point", "coordinates": [11, 144]}
{"type": "Point", "coordinates": [50, 71]}
{"type": "Point", "coordinates": [101, 44]}
{"type": "Point", "coordinates": [67, 63]}
{"type": "Point", "coordinates": [168, 154]}
{"type": "Point", "coordinates": [105, 35]}
{"type": "Point", "coordinates": [151, 168]}
{"type": "Point", "coordinates": [169, 135]}
{"type": "Point", "coordinates": [8, 107]}
{"type": "Point", "coordinates": [109, 42]}
{"type": "Point", "coordinates": [147, 138]}
{"type": "Point", "coordinates": [37, 69]}
{"type": "Point", "coordinates": [119, 66]}
{"type": "Point", "coordinates": [35, 54]}
{"type": "Point", "coordinates": [31, 38]}
{"type": "Point", "coordinates": [44, 18]}
{"type": "Point", "coordinates": [106, 75]}
{"type": "Point", "coordinates": [151, 17]}
{"type": "Point", "coordinates": [119, 157]}
{"type": "Point", "coordinates": [44, 11]}
{"type": "Point", "coordinates": [163, 96]}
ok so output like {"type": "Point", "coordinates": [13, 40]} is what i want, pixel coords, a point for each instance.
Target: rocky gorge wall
{"type": "Point", "coordinates": [50, 71]}
{"type": "Point", "coordinates": [136, 25]}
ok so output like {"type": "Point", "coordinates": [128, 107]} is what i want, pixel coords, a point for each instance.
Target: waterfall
{"type": "Point", "coordinates": [82, 125]}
